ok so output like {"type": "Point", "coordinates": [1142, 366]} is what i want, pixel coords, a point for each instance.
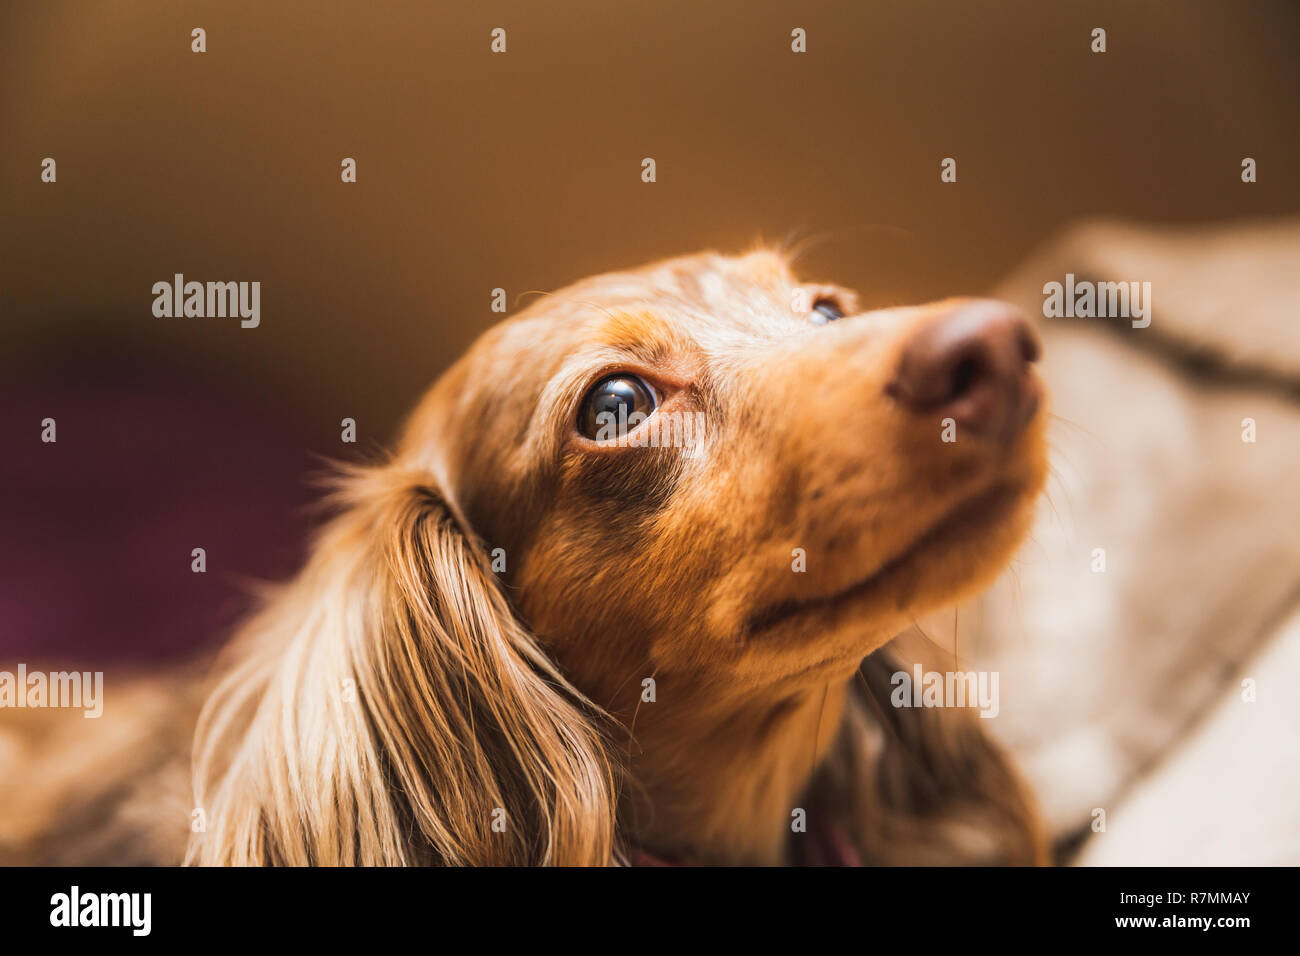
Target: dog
{"type": "Point", "coordinates": [540, 632]}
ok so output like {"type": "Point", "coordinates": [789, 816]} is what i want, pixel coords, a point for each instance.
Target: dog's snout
{"type": "Point", "coordinates": [972, 364]}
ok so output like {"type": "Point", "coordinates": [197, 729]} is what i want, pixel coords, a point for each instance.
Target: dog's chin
{"type": "Point", "coordinates": [957, 556]}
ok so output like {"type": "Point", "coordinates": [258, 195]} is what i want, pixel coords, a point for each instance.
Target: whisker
{"type": "Point", "coordinates": [956, 645]}
{"type": "Point", "coordinates": [928, 639]}
{"type": "Point", "coordinates": [1052, 504]}
{"type": "Point", "coordinates": [1072, 423]}
{"type": "Point", "coordinates": [554, 295]}
{"type": "Point", "coordinates": [631, 729]}
{"type": "Point", "coordinates": [817, 730]}
{"type": "Point", "coordinates": [808, 243]}
{"type": "Point", "coordinates": [885, 722]}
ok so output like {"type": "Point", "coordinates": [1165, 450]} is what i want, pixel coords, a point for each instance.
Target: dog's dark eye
{"type": "Point", "coordinates": [826, 310]}
{"type": "Point", "coordinates": [615, 406]}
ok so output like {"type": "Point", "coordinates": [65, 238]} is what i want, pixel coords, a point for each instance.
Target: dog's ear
{"type": "Point", "coordinates": [389, 709]}
{"type": "Point", "coordinates": [924, 785]}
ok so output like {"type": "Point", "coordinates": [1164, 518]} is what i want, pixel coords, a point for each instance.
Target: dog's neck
{"type": "Point", "coordinates": [718, 780]}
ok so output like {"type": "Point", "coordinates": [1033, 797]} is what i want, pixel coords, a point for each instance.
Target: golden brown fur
{"type": "Point", "coordinates": [400, 695]}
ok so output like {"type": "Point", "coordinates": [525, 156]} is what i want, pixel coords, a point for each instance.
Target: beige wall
{"type": "Point", "coordinates": [522, 170]}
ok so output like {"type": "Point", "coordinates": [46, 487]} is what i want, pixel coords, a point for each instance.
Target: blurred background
{"type": "Point", "coordinates": [519, 171]}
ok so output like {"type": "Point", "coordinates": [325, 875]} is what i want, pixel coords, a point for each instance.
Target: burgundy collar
{"type": "Point", "coordinates": [828, 845]}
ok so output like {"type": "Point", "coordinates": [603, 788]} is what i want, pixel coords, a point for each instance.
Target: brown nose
{"type": "Point", "coordinates": [972, 365]}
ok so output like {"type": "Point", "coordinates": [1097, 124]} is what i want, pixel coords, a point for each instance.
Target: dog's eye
{"type": "Point", "coordinates": [826, 310]}
{"type": "Point", "coordinates": [615, 406]}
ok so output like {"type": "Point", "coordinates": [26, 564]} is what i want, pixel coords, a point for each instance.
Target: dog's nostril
{"type": "Point", "coordinates": [1030, 350]}
{"type": "Point", "coordinates": [964, 375]}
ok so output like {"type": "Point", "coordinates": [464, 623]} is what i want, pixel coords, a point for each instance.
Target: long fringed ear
{"type": "Point", "coordinates": [924, 785]}
{"type": "Point", "coordinates": [388, 709]}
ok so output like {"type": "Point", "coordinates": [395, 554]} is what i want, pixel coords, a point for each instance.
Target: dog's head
{"type": "Point", "coordinates": [706, 477]}
{"type": "Point", "coordinates": [805, 480]}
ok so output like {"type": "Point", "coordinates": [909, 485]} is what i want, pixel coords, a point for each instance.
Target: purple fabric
{"type": "Point", "coordinates": [98, 527]}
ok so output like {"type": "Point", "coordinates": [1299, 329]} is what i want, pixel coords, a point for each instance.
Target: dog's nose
{"type": "Point", "coordinates": [972, 365]}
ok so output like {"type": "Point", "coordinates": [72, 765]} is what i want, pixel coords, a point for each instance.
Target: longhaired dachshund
{"type": "Point", "coordinates": [623, 592]}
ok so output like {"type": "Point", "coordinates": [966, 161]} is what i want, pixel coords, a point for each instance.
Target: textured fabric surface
{"type": "Point", "coordinates": [1104, 673]}
{"type": "Point", "coordinates": [99, 526]}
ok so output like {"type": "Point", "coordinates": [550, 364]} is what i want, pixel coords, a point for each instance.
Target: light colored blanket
{"type": "Point", "coordinates": [1108, 677]}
